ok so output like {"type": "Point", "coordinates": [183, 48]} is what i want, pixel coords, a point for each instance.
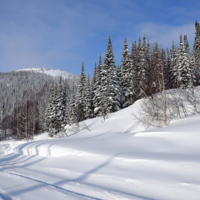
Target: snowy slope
{"type": "Point", "coordinates": [116, 159]}
{"type": "Point", "coordinates": [52, 72]}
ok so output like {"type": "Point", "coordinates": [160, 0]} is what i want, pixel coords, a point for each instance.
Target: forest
{"type": "Point", "coordinates": [164, 78]}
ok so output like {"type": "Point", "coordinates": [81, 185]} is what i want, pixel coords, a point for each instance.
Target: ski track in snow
{"type": "Point", "coordinates": [116, 160]}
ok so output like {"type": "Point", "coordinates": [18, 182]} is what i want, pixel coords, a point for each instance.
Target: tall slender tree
{"type": "Point", "coordinates": [126, 65]}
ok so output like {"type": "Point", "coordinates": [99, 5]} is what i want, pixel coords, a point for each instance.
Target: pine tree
{"type": "Point", "coordinates": [60, 101]}
{"type": "Point", "coordinates": [173, 61]}
{"type": "Point", "coordinates": [97, 99]}
{"type": "Point", "coordinates": [55, 111]}
{"type": "Point", "coordinates": [119, 80]}
{"type": "Point", "coordinates": [126, 77]}
{"type": "Point", "coordinates": [196, 50]}
{"type": "Point", "coordinates": [80, 101]}
{"type": "Point", "coordinates": [135, 72]}
{"type": "Point", "coordinates": [156, 69]}
{"type": "Point", "coordinates": [183, 66]}
{"type": "Point", "coordinates": [109, 86]}
{"type": "Point", "coordinates": [88, 101]}
{"type": "Point", "coordinates": [71, 109]}
{"type": "Point", "coordinates": [49, 113]}
{"type": "Point", "coordinates": [141, 65]}
{"type": "Point", "coordinates": [168, 72]}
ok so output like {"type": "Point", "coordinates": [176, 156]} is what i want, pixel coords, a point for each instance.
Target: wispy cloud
{"type": "Point", "coordinates": [60, 34]}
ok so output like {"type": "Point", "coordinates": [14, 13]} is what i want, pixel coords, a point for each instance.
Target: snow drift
{"type": "Point", "coordinates": [114, 159]}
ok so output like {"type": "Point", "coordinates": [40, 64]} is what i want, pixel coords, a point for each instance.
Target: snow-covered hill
{"type": "Point", "coordinates": [52, 72]}
{"type": "Point", "coordinates": [113, 159]}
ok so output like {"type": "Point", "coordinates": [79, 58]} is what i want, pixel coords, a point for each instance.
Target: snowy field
{"type": "Point", "coordinates": [115, 159]}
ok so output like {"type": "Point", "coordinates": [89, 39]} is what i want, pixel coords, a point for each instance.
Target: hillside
{"type": "Point", "coordinates": [51, 72]}
{"type": "Point", "coordinates": [114, 159]}
{"type": "Point", "coordinates": [14, 85]}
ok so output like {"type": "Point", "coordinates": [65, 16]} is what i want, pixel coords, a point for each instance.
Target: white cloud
{"type": "Point", "coordinates": [164, 34]}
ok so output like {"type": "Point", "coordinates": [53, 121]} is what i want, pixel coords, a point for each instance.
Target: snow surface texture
{"type": "Point", "coordinates": [52, 72]}
{"type": "Point", "coordinates": [117, 159]}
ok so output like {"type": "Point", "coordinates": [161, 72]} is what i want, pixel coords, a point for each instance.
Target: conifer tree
{"type": "Point", "coordinates": [173, 61]}
{"type": "Point", "coordinates": [168, 72]}
{"type": "Point", "coordinates": [147, 58]}
{"type": "Point", "coordinates": [50, 110]}
{"type": "Point", "coordinates": [80, 101]}
{"type": "Point", "coordinates": [135, 72]}
{"type": "Point", "coordinates": [196, 49]}
{"type": "Point", "coordinates": [119, 80]}
{"type": "Point", "coordinates": [61, 101]}
{"type": "Point", "coordinates": [183, 66]}
{"type": "Point", "coordinates": [88, 100]}
{"type": "Point", "coordinates": [97, 99]}
{"type": "Point", "coordinates": [109, 81]}
{"type": "Point", "coordinates": [126, 85]}
{"type": "Point", "coordinates": [141, 66]}
{"type": "Point", "coordinates": [156, 69]}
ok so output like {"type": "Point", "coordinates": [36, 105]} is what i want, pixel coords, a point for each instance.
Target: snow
{"type": "Point", "coordinates": [52, 72]}
{"type": "Point", "coordinates": [115, 159]}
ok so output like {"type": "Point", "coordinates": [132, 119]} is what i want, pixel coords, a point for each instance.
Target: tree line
{"type": "Point", "coordinates": [144, 71]}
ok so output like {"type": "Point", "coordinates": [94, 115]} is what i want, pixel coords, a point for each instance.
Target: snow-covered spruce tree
{"type": "Point", "coordinates": [173, 61]}
{"type": "Point", "coordinates": [196, 50]}
{"type": "Point", "coordinates": [50, 110]}
{"type": "Point", "coordinates": [71, 110]}
{"type": "Point", "coordinates": [155, 69]}
{"type": "Point", "coordinates": [147, 56]}
{"type": "Point", "coordinates": [94, 76]}
{"type": "Point", "coordinates": [97, 99]}
{"type": "Point", "coordinates": [183, 66]}
{"type": "Point", "coordinates": [55, 111]}
{"type": "Point", "coordinates": [119, 80]}
{"type": "Point", "coordinates": [126, 85]}
{"type": "Point", "coordinates": [142, 69]}
{"type": "Point", "coordinates": [61, 101]}
{"type": "Point", "coordinates": [135, 72]}
{"type": "Point", "coordinates": [80, 101]}
{"type": "Point", "coordinates": [190, 56]}
{"type": "Point", "coordinates": [109, 85]}
{"type": "Point", "coordinates": [88, 100]}
{"type": "Point", "coordinates": [168, 72]}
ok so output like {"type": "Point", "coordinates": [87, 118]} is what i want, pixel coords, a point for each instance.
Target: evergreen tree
{"type": "Point", "coordinates": [109, 86]}
{"type": "Point", "coordinates": [156, 69]}
{"type": "Point", "coordinates": [135, 72]}
{"type": "Point", "coordinates": [141, 66]}
{"type": "Point", "coordinates": [183, 66]}
{"type": "Point", "coordinates": [168, 72]}
{"type": "Point", "coordinates": [55, 111]}
{"type": "Point", "coordinates": [61, 101]}
{"type": "Point", "coordinates": [97, 99]}
{"type": "Point", "coordinates": [88, 101]}
{"type": "Point", "coordinates": [80, 101]}
{"type": "Point", "coordinates": [196, 49]}
{"type": "Point", "coordinates": [71, 109]}
{"type": "Point", "coordinates": [126, 77]}
{"type": "Point", "coordinates": [119, 80]}
{"type": "Point", "coordinates": [147, 58]}
{"type": "Point", "coordinates": [173, 61]}
{"type": "Point", "coordinates": [50, 110]}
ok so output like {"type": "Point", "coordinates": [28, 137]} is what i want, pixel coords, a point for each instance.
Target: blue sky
{"type": "Point", "coordinates": [63, 33]}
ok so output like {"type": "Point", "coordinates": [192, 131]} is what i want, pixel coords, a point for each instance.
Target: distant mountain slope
{"type": "Point", "coordinates": [52, 72]}
{"type": "Point", "coordinates": [14, 85]}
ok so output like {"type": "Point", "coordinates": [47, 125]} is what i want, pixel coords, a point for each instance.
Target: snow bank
{"type": "Point", "coordinates": [115, 159]}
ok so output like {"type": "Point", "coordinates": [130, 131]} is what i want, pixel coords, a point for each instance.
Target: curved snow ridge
{"type": "Point", "coordinates": [45, 150]}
